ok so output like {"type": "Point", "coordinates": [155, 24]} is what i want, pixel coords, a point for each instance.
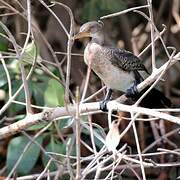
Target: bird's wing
{"type": "Point", "coordinates": [126, 60]}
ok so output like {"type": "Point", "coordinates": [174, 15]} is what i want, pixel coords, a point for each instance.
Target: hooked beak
{"type": "Point", "coordinates": [81, 35]}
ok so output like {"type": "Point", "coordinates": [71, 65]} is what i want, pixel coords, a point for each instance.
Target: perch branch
{"type": "Point", "coordinates": [49, 115]}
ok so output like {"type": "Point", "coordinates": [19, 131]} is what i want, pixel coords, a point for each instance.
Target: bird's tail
{"type": "Point", "coordinates": [155, 99]}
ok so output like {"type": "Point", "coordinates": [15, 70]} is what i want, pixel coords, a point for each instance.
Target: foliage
{"type": "Point", "coordinates": [54, 94]}
{"type": "Point", "coordinates": [93, 9]}
{"type": "Point", "coordinates": [54, 146]}
{"type": "Point", "coordinates": [3, 41]}
{"type": "Point", "coordinates": [16, 149]}
{"type": "Point", "coordinates": [43, 91]}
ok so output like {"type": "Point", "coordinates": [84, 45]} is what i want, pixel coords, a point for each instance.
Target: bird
{"type": "Point", "coordinates": [117, 68]}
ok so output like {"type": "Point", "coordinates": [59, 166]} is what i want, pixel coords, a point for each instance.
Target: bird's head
{"type": "Point", "coordinates": [89, 29]}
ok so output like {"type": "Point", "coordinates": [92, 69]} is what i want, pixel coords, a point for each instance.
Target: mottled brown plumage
{"type": "Point", "coordinates": [126, 60]}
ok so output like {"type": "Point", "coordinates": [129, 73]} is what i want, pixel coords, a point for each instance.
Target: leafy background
{"type": "Point", "coordinates": [47, 91]}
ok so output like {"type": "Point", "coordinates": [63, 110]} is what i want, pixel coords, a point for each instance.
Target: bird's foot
{"type": "Point", "coordinates": [103, 105]}
{"type": "Point", "coordinates": [132, 91]}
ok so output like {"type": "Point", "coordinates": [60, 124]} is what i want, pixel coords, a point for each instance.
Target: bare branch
{"type": "Point", "coordinates": [123, 12]}
{"type": "Point", "coordinates": [62, 112]}
{"type": "Point", "coordinates": [152, 34]}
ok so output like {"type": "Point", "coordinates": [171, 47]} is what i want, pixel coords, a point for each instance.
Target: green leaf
{"type": "Point", "coordinates": [98, 142]}
{"type": "Point", "coordinates": [98, 132]}
{"type": "Point", "coordinates": [14, 67]}
{"type": "Point", "coordinates": [54, 94]}
{"type": "Point", "coordinates": [113, 5]}
{"type": "Point", "coordinates": [3, 41]}
{"type": "Point", "coordinates": [93, 9]}
{"type": "Point", "coordinates": [15, 108]}
{"type": "Point", "coordinates": [30, 53]}
{"type": "Point", "coordinates": [3, 78]}
{"type": "Point", "coordinates": [37, 89]}
{"type": "Point", "coordinates": [56, 147]}
{"type": "Point", "coordinates": [65, 123]}
{"type": "Point", "coordinates": [37, 126]}
{"type": "Point", "coordinates": [15, 149]}
{"type": "Point", "coordinates": [71, 141]}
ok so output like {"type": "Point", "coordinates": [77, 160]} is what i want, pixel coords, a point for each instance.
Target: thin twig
{"type": "Point", "coordinates": [50, 47]}
{"type": "Point", "coordinates": [25, 84]}
{"type": "Point", "coordinates": [155, 28]}
{"type": "Point", "coordinates": [58, 20]}
{"type": "Point", "coordinates": [23, 74]}
{"type": "Point", "coordinates": [72, 54]}
{"type": "Point", "coordinates": [7, 75]}
{"type": "Point", "coordinates": [161, 138]}
{"type": "Point", "coordinates": [86, 83]}
{"type": "Point", "coordinates": [69, 47]}
{"type": "Point", "coordinates": [152, 35]}
{"type": "Point", "coordinates": [28, 76]}
{"type": "Point", "coordinates": [92, 134]}
{"type": "Point", "coordinates": [169, 151]}
{"type": "Point", "coordinates": [45, 169]}
{"type": "Point", "coordinates": [68, 147]}
{"type": "Point", "coordinates": [78, 136]}
{"type": "Point", "coordinates": [149, 45]}
{"type": "Point", "coordinates": [157, 80]}
{"type": "Point", "coordinates": [138, 146]}
{"type": "Point", "coordinates": [123, 12]}
{"type": "Point", "coordinates": [95, 94]}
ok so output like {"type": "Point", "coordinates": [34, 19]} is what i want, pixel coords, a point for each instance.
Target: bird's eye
{"type": "Point", "coordinates": [93, 29]}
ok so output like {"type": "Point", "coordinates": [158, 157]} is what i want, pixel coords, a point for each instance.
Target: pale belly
{"type": "Point", "coordinates": [112, 76]}
{"type": "Point", "coordinates": [115, 78]}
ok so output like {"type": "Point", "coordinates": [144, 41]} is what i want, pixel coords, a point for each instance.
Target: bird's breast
{"type": "Point", "coordinates": [91, 54]}
{"type": "Point", "coordinates": [112, 76]}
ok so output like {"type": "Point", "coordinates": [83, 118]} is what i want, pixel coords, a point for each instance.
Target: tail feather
{"type": "Point", "coordinates": [155, 99]}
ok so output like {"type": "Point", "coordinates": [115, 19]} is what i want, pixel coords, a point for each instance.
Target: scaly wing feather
{"type": "Point", "coordinates": [126, 60]}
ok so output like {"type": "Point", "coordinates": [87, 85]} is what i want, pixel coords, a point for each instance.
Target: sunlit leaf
{"type": "Point", "coordinates": [30, 53]}
{"type": "Point", "coordinates": [54, 94]}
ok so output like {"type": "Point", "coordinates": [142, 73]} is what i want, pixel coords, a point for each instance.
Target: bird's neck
{"type": "Point", "coordinates": [98, 38]}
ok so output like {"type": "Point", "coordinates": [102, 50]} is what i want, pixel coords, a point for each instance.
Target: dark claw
{"type": "Point", "coordinates": [103, 106]}
{"type": "Point", "coordinates": [133, 91]}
